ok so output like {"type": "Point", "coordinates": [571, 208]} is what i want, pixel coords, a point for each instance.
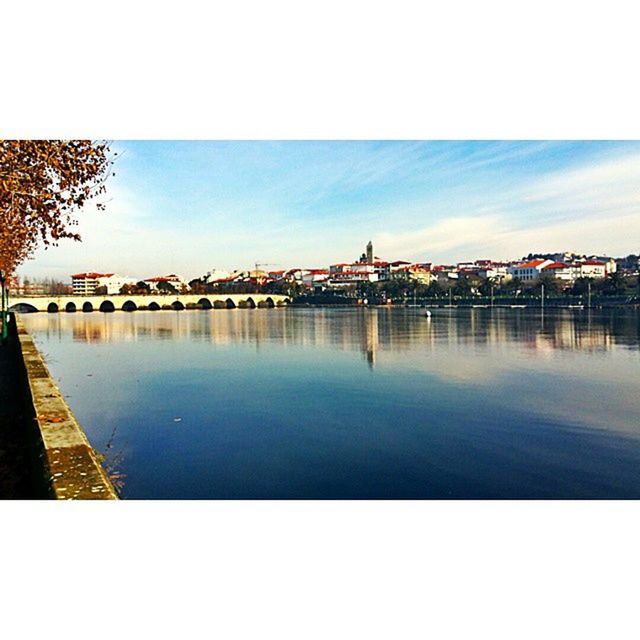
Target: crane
{"type": "Point", "coordinates": [262, 264]}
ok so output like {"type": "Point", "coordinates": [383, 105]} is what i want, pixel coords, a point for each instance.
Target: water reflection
{"type": "Point", "coordinates": [355, 403]}
{"type": "Point", "coordinates": [369, 330]}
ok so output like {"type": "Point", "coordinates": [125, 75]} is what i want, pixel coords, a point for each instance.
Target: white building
{"type": "Point", "coordinates": [591, 269]}
{"type": "Point", "coordinates": [610, 263]}
{"type": "Point", "coordinates": [345, 274]}
{"type": "Point", "coordinates": [398, 265]}
{"type": "Point", "coordinates": [529, 271]}
{"type": "Point", "coordinates": [445, 273]}
{"type": "Point", "coordinates": [315, 277]}
{"type": "Point", "coordinates": [176, 281]}
{"type": "Point", "coordinates": [86, 284]}
{"type": "Point", "coordinates": [560, 271]}
{"type": "Point", "coordinates": [216, 274]}
{"type": "Point", "coordinates": [491, 269]}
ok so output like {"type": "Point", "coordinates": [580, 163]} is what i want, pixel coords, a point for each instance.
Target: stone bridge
{"type": "Point", "coordinates": [152, 302]}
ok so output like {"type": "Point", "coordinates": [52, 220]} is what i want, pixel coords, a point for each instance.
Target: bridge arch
{"type": "Point", "coordinates": [107, 306]}
{"type": "Point", "coordinates": [52, 307]}
{"type": "Point", "coordinates": [23, 307]}
{"type": "Point", "coordinates": [129, 305]}
{"type": "Point", "coordinates": [87, 307]}
{"type": "Point", "coordinates": [70, 307]}
{"type": "Point", "coordinates": [154, 306]}
{"type": "Point", "coordinates": [230, 304]}
{"type": "Point", "coordinates": [205, 303]}
{"type": "Point", "coordinates": [266, 304]}
{"type": "Point", "coordinates": [177, 305]}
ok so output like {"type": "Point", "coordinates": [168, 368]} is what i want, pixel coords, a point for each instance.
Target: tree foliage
{"type": "Point", "coordinates": [166, 287]}
{"type": "Point", "coordinates": [43, 183]}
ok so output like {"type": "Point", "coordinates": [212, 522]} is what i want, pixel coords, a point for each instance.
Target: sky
{"type": "Point", "coordinates": [188, 207]}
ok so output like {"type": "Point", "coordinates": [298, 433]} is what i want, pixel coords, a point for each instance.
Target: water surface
{"type": "Point", "coordinates": [356, 403]}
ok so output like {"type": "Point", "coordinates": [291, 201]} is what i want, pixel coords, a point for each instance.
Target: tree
{"type": "Point", "coordinates": [580, 286]}
{"type": "Point", "coordinates": [486, 286]}
{"type": "Point", "coordinates": [394, 288]}
{"type": "Point", "coordinates": [512, 285]}
{"type": "Point", "coordinates": [613, 284]}
{"type": "Point", "coordinates": [366, 289]}
{"type": "Point", "coordinates": [434, 289]}
{"type": "Point", "coordinates": [551, 283]}
{"type": "Point", "coordinates": [43, 183]}
{"type": "Point", "coordinates": [166, 287]}
{"type": "Point", "coordinates": [198, 286]}
{"type": "Point", "coordinates": [462, 287]}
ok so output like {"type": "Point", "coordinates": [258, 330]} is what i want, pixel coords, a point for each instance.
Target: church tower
{"type": "Point", "coordinates": [370, 252]}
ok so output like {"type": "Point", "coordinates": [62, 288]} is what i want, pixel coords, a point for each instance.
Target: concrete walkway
{"type": "Point", "coordinates": [14, 456]}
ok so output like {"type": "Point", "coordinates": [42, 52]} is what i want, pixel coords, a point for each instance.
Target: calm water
{"type": "Point", "coordinates": [356, 403]}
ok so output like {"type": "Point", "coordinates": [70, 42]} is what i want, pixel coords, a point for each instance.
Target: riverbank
{"type": "Point", "coordinates": [43, 451]}
{"type": "Point", "coordinates": [557, 302]}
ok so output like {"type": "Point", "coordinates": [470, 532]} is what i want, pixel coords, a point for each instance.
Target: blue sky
{"type": "Point", "coordinates": [189, 206]}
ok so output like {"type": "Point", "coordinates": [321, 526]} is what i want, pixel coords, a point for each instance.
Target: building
{"type": "Point", "coordinates": [490, 269]}
{"type": "Point", "coordinates": [420, 273]}
{"type": "Point", "coordinates": [529, 271]}
{"type": "Point", "coordinates": [609, 263]}
{"type": "Point", "coordinates": [560, 271]}
{"type": "Point", "coordinates": [112, 284]}
{"type": "Point", "coordinates": [314, 278]}
{"type": "Point", "coordinates": [591, 269]}
{"type": "Point", "coordinates": [564, 270]}
{"type": "Point", "coordinates": [215, 275]}
{"type": "Point", "coordinates": [92, 283]}
{"type": "Point", "coordinates": [398, 265]}
{"type": "Point", "coordinates": [367, 256]}
{"type": "Point", "coordinates": [175, 281]}
{"type": "Point", "coordinates": [569, 257]}
{"type": "Point", "coordinates": [445, 273]}
{"type": "Point", "coordinates": [370, 252]}
{"type": "Point", "coordinates": [345, 274]}
{"type": "Point", "coordinates": [14, 286]}
{"type": "Point", "coordinates": [85, 284]}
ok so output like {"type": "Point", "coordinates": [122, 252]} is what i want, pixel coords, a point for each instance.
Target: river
{"type": "Point", "coordinates": [355, 403]}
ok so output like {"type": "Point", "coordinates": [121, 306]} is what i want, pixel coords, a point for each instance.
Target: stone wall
{"type": "Point", "coordinates": [70, 468]}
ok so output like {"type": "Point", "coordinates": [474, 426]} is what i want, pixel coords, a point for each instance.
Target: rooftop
{"type": "Point", "coordinates": [91, 276]}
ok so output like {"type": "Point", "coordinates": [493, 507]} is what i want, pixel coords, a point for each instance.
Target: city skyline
{"type": "Point", "coordinates": [187, 207]}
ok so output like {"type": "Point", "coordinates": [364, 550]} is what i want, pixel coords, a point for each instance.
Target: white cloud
{"type": "Point", "coordinates": [443, 238]}
{"type": "Point", "coordinates": [594, 209]}
{"type": "Point", "coordinates": [613, 178]}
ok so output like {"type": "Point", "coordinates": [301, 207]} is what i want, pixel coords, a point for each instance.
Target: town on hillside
{"type": "Point", "coordinates": [565, 272]}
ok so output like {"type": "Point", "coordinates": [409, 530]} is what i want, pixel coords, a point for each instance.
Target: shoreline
{"type": "Point", "coordinates": [48, 454]}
